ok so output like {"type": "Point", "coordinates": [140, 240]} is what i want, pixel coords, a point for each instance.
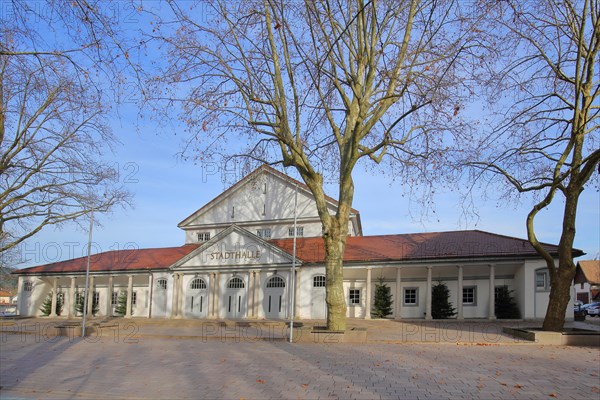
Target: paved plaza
{"type": "Point", "coordinates": [125, 363]}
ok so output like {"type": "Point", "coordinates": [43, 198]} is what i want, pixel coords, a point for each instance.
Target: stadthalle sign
{"type": "Point", "coordinates": [235, 255]}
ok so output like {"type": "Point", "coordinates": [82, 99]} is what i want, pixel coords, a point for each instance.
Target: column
{"type": "Point", "coordinates": [54, 296]}
{"type": "Point", "coordinates": [428, 295]}
{"type": "Point", "coordinates": [174, 296]}
{"type": "Point", "coordinates": [20, 292]}
{"type": "Point", "coordinates": [211, 295]}
{"type": "Point", "coordinates": [368, 296]}
{"type": "Point", "coordinates": [492, 310]}
{"type": "Point", "coordinates": [251, 288]}
{"type": "Point", "coordinates": [178, 312]}
{"type": "Point", "coordinates": [398, 298]}
{"type": "Point", "coordinates": [90, 303]}
{"type": "Point", "coordinates": [109, 296]}
{"type": "Point", "coordinates": [216, 299]}
{"type": "Point", "coordinates": [150, 292]}
{"type": "Point", "coordinates": [257, 289]}
{"type": "Point", "coordinates": [129, 296]}
{"type": "Point", "coordinates": [459, 300]}
{"type": "Point", "coordinates": [71, 307]}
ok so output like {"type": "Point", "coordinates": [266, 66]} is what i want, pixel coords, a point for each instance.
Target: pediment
{"type": "Point", "coordinates": [250, 200]}
{"type": "Point", "coordinates": [234, 247]}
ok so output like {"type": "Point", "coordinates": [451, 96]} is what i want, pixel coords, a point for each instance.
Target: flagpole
{"type": "Point", "coordinates": [87, 276]}
{"type": "Point", "coordinates": [293, 274]}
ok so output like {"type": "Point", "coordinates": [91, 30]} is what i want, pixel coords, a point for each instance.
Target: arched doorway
{"type": "Point", "coordinates": [274, 304]}
{"type": "Point", "coordinates": [160, 298]}
{"type": "Point", "coordinates": [318, 307]}
{"type": "Point", "coordinates": [197, 299]}
{"type": "Point", "coordinates": [235, 298]}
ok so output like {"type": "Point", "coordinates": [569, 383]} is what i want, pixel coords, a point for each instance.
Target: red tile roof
{"type": "Point", "coordinates": [418, 246]}
{"type": "Point", "coordinates": [119, 260]}
{"type": "Point", "coordinates": [406, 247]}
{"type": "Point", "coordinates": [591, 272]}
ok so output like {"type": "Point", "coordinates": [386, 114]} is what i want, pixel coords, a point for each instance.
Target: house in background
{"type": "Point", "coordinates": [236, 263]}
{"type": "Point", "coordinates": [6, 298]}
{"type": "Point", "coordinates": [587, 281]}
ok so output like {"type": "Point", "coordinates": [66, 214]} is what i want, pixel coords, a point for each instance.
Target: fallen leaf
{"type": "Point", "coordinates": [552, 395]}
{"type": "Point", "coordinates": [518, 386]}
{"type": "Point", "coordinates": [260, 381]}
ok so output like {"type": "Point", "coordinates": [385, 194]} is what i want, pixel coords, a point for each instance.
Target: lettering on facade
{"type": "Point", "coordinates": [236, 255]}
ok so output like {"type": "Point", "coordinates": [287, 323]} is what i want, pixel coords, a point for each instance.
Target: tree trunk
{"type": "Point", "coordinates": [560, 294]}
{"type": "Point", "coordinates": [561, 278]}
{"type": "Point", "coordinates": [335, 243]}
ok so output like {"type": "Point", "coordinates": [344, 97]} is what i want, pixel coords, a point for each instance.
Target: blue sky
{"type": "Point", "coordinates": [167, 190]}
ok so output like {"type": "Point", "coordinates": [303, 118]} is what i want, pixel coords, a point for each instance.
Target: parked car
{"type": "Point", "coordinates": [593, 309]}
{"type": "Point", "coordinates": [578, 312]}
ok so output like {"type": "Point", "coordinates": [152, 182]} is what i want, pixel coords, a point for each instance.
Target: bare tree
{"type": "Point", "coordinates": [319, 86]}
{"type": "Point", "coordinates": [541, 70]}
{"type": "Point", "coordinates": [54, 60]}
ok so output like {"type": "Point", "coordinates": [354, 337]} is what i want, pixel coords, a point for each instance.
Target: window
{"type": "Point", "coordinates": [96, 299]}
{"type": "Point", "coordinates": [319, 281]}
{"type": "Point", "coordinates": [161, 284]}
{"type": "Point", "coordinates": [27, 286]}
{"type": "Point", "coordinates": [133, 298]}
{"type": "Point", "coordinates": [232, 212]}
{"type": "Point", "coordinates": [114, 298]}
{"type": "Point", "coordinates": [354, 297]}
{"type": "Point", "coordinates": [276, 281]}
{"type": "Point", "coordinates": [411, 296]}
{"type": "Point", "coordinates": [264, 233]}
{"type": "Point", "coordinates": [60, 296]}
{"type": "Point", "coordinates": [198, 284]}
{"type": "Point", "coordinates": [204, 236]}
{"type": "Point", "coordinates": [469, 295]}
{"type": "Point", "coordinates": [235, 283]}
{"type": "Point", "coordinates": [299, 231]}
{"type": "Point", "coordinates": [542, 283]}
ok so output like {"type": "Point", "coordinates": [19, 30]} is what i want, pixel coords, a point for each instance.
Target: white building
{"type": "Point", "coordinates": [237, 257]}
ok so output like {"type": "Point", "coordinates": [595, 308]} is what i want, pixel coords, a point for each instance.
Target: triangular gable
{"type": "Point", "coordinates": [253, 181]}
{"type": "Point", "coordinates": [588, 271]}
{"type": "Point", "coordinates": [234, 247]}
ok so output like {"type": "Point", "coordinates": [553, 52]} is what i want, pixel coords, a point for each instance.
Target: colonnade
{"type": "Point", "coordinates": [460, 279]}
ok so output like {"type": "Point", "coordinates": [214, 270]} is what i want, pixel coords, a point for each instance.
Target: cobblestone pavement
{"type": "Point", "coordinates": [379, 331]}
{"type": "Point", "coordinates": [123, 366]}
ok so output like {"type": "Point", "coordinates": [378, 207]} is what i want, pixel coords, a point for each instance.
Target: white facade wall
{"type": "Point", "coordinates": [267, 201]}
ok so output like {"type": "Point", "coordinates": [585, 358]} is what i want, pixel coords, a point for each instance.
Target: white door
{"type": "Point", "coordinates": [235, 299]}
{"type": "Point", "coordinates": [159, 308]}
{"type": "Point", "coordinates": [274, 300]}
{"type": "Point", "coordinates": [197, 299]}
{"type": "Point", "coordinates": [318, 306]}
